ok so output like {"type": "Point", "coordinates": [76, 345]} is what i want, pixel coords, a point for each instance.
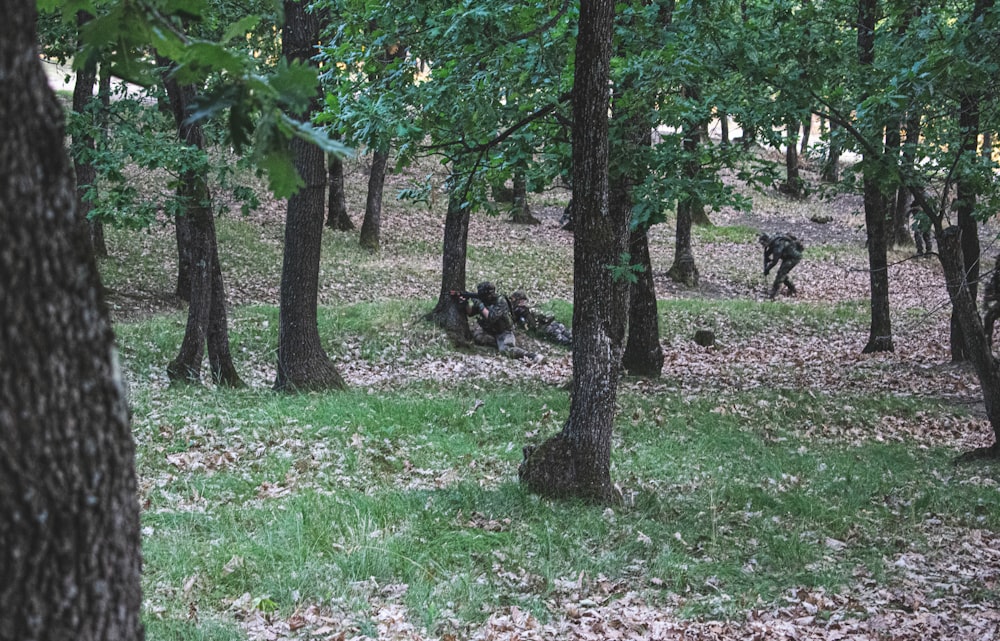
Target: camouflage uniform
{"type": "Point", "coordinates": [785, 248]}
{"type": "Point", "coordinates": [494, 323]}
{"type": "Point", "coordinates": [537, 324]}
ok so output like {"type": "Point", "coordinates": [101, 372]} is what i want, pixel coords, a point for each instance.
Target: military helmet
{"type": "Point", "coordinates": [518, 296]}
{"type": "Point", "coordinates": [486, 290]}
{"type": "Point", "coordinates": [764, 239]}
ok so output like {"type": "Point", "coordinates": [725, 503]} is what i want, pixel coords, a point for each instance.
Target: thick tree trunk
{"type": "Point", "coordinates": [446, 313]}
{"type": "Point", "coordinates": [337, 216]}
{"type": "Point", "coordinates": [69, 535]}
{"type": "Point", "coordinates": [207, 323]}
{"type": "Point", "coordinates": [643, 351]}
{"type": "Point", "coordinates": [372, 224]}
{"type": "Point", "coordinates": [303, 364]}
{"type": "Point", "coordinates": [577, 461]}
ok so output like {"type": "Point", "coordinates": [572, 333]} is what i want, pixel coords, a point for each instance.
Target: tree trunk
{"type": "Point", "coordinates": [830, 173]}
{"type": "Point", "coordinates": [83, 142]}
{"type": "Point", "coordinates": [522, 212]}
{"type": "Point", "coordinates": [880, 334]}
{"type": "Point", "coordinates": [302, 362]}
{"type": "Point", "coordinates": [577, 461]}
{"type": "Point", "coordinates": [898, 201]}
{"type": "Point", "coordinates": [446, 313]}
{"type": "Point", "coordinates": [182, 233]}
{"type": "Point", "coordinates": [643, 351]}
{"type": "Point", "coordinates": [69, 536]}
{"type": "Point", "coordinates": [966, 191]}
{"type": "Point", "coordinates": [964, 310]}
{"type": "Point", "coordinates": [793, 185]}
{"type": "Point", "coordinates": [807, 124]}
{"type": "Point", "coordinates": [684, 270]}
{"type": "Point", "coordinates": [337, 216]}
{"type": "Point", "coordinates": [372, 224]}
{"type": "Point", "coordinates": [901, 216]}
{"type": "Point", "coordinates": [207, 324]}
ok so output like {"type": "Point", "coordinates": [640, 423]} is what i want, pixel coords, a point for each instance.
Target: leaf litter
{"type": "Point", "coordinates": [934, 593]}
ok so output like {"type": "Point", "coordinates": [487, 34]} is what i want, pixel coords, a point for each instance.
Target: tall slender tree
{"type": "Point", "coordinates": [69, 538]}
{"type": "Point", "coordinates": [876, 209]}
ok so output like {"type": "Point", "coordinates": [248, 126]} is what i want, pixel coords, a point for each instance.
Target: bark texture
{"type": "Point", "coordinates": [446, 313]}
{"type": "Point", "coordinates": [876, 213]}
{"type": "Point", "coordinates": [303, 364]}
{"type": "Point", "coordinates": [84, 143]}
{"type": "Point", "coordinates": [69, 536]}
{"type": "Point", "coordinates": [684, 269]}
{"type": "Point", "coordinates": [964, 311]}
{"type": "Point", "coordinates": [577, 461]}
{"type": "Point", "coordinates": [371, 226]}
{"type": "Point", "coordinates": [337, 216]}
{"type": "Point", "coordinates": [643, 351]}
{"type": "Point", "coordinates": [207, 323]}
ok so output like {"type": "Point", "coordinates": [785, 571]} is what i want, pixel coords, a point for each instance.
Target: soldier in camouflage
{"type": "Point", "coordinates": [536, 323]}
{"type": "Point", "coordinates": [785, 248]}
{"type": "Point", "coordinates": [494, 323]}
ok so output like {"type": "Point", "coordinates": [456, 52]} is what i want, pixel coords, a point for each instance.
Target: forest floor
{"type": "Point", "coordinates": [930, 601]}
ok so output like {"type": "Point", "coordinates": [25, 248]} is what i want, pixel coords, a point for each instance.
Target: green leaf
{"type": "Point", "coordinates": [283, 179]}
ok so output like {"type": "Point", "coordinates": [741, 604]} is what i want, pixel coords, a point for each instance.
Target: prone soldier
{"type": "Point", "coordinates": [536, 323]}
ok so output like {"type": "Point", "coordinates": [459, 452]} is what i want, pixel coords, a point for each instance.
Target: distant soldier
{"type": "Point", "coordinates": [785, 248]}
{"type": "Point", "coordinates": [991, 301]}
{"type": "Point", "coordinates": [494, 322]}
{"type": "Point", "coordinates": [536, 323]}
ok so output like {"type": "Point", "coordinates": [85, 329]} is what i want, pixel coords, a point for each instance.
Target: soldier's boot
{"type": "Point", "coordinates": [791, 288]}
{"type": "Point", "coordinates": [774, 291]}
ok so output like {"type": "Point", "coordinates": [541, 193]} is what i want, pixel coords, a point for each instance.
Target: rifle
{"type": "Point", "coordinates": [461, 294]}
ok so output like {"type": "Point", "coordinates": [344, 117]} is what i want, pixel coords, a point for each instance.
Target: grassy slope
{"type": "Point", "coordinates": [778, 478]}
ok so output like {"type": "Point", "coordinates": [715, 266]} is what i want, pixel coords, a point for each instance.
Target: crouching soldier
{"type": "Point", "coordinates": [494, 322]}
{"type": "Point", "coordinates": [785, 248]}
{"type": "Point", "coordinates": [536, 323]}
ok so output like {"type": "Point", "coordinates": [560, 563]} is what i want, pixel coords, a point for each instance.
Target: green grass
{"type": "Point", "coordinates": [725, 233]}
{"type": "Point", "coordinates": [328, 498]}
{"type": "Point", "coordinates": [741, 318]}
{"type": "Point", "coordinates": [266, 501]}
